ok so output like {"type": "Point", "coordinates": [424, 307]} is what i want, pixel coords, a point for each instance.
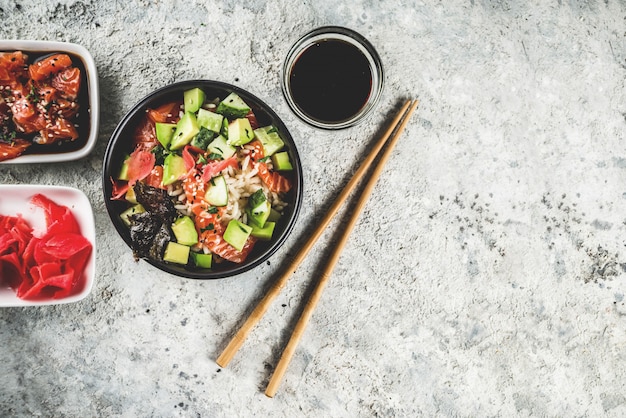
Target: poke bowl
{"type": "Point", "coordinates": [202, 180]}
{"type": "Point", "coordinates": [49, 102]}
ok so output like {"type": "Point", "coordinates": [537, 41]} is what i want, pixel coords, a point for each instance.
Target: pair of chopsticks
{"type": "Point", "coordinates": [394, 131]}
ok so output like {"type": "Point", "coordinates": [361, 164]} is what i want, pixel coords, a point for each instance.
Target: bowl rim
{"type": "Point", "coordinates": [93, 94]}
{"type": "Point", "coordinates": [140, 107]}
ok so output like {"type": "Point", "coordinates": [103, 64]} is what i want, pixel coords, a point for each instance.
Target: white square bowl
{"type": "Point", "coordinates": [15, 199]}
{"type": "Point", "coordinates": [93, 94]}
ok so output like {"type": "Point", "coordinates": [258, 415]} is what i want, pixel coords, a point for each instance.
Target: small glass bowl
{"type": "Point", "coordinates": [328, 33]}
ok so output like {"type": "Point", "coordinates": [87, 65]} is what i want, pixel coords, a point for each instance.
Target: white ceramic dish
{"type": "Point", "coordinates": [93, 98]}
{"type": "Point", "coordinates": [15, 199]}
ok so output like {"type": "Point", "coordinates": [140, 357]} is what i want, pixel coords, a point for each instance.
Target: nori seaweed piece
{"type": "Point", "coordinates": [150, 231]}
{"type": "Point", "coordinates": [156, 201]}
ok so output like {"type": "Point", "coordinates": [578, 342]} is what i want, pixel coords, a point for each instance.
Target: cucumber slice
{"type": "Point", "coordinates": [211, 121]}
{"type": "Point", "coordinates": [221, 147]}
{"type": "Point", "coordinates": [217, 192]}
{"type": "Point", "coordinates": [233, 107]}
{"type": "Point", "coordinates": [270, 139]}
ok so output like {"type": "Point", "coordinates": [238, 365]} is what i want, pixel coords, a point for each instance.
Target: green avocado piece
{"type": "Point", "coordinates": [237, 233]}
{"type": "Point", "coordinates": [173, 168]}
{"type": "Point", "coordinates": [240, 132]}
{"type": "Point", "coordinates": [176, 253]}
{"type": "Point", "coordinates": [165, 132]}
{"type": "Point", "coordinates": [186, 128]}
{"type": "Point", "coordinates": [264, 233]}
{"type": "Point", "coordinates": [193, 99]}
{"type": "Point", "coordinates": [185, 231]}
{"type": "Point", "coordinates": [202, 260]}
{"type": "Point", "coordinates": [138, 208]}
{"type": "Point", "coordinates": [281, 161]}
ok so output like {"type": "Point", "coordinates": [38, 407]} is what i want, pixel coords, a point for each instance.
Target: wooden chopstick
{"type": "Point", "coordinates": [255, 316]}
{"type": "Point", "coordinates": [274, 382]}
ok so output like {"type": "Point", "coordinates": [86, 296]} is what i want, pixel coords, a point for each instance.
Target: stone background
{"type": "Point", "coordinates": [485, 277]}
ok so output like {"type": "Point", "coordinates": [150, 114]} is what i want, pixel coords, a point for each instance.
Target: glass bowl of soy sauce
{"type": "Point", "coordinates": [332, 77]}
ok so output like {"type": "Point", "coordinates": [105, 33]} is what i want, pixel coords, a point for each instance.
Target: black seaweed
{"type": "Point", "coordinates": [156, 201]}
{"type": "Point", "coordinates": [150, 230]}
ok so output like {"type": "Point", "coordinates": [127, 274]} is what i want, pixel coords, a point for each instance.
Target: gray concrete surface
{"type": "Point", "coordinates": [486, 276]}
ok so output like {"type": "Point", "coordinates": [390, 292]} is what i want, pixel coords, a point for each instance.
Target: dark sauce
{"type": "Point", "coordinates": [331, 81]}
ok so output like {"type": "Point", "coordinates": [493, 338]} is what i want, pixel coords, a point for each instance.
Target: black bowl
{"type": "Point", "coordinates": [121, 145]}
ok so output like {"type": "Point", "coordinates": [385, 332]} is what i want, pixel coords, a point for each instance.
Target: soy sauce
{"type": "Point", "coordinates": [331, 81]}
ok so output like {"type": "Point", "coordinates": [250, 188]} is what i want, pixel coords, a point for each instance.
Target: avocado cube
{"type": "Point", "coordinates": [220, 146]}
{"type": "Point", "coordinates": [202, 260]}
{"type": "Point", "coordinates": [193, 99]}
{"type": "Point", "coordinates": [233, 107]}
{"type": "Point", "coordinates": [274, 215]}
{"type": "Point", "coordinates": [270, 139]}
{"type": "Point", "coordinates": [185, 231]}
{"type": "Point", "coordinates": [173, 168]}
{"type": "Point", "coordinates": [265, 233]}
{"type": "Point", "coordinates": [281, 161]}
{"type": "Point", "coordinates": [258, 216]}
{"type": "Point", "coordinates": [210, 120]}
{"type": "Point", "coordinates": [125, 215]}
{"type": "Point", "coordinates": [130, 195]}
{"type": "Point", "coordinates": [237, 233]}
{"type": "Point", "coordinates": [165, 132]}
{"type": "Point", "coordinates": [186, 128]}
{"type": "Point", "coordinates": [123, 173]}
{"type": "Point", "coordinates": [240, 132]}
{"type": "Point", "coordinates": [176, 253]}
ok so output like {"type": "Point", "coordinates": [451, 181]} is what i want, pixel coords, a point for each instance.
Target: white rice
{"type": "Point", "coordinates": [241, 183]}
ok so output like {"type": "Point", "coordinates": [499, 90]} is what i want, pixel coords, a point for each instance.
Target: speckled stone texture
{"type": "Point", "coordinates": [485, 277]}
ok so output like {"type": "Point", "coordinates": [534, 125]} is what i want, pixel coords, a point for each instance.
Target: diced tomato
{"type": "Point", "coordinates": [167, 113]}
{"type": "Point", "coordinates": [48, 66]}
{"type": "Point", "coordinates": [13, 149]}
{"type": "Point", "coordinates": [272, 179]}
{"type": "Point", "coordinates": [67, 82]}
{"type": "Point", "coordinates": [140, 165]}
{"type": "Point", "coordinates": [213, 168]}
{"type": "Point", "coordinates": [216, 243]}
